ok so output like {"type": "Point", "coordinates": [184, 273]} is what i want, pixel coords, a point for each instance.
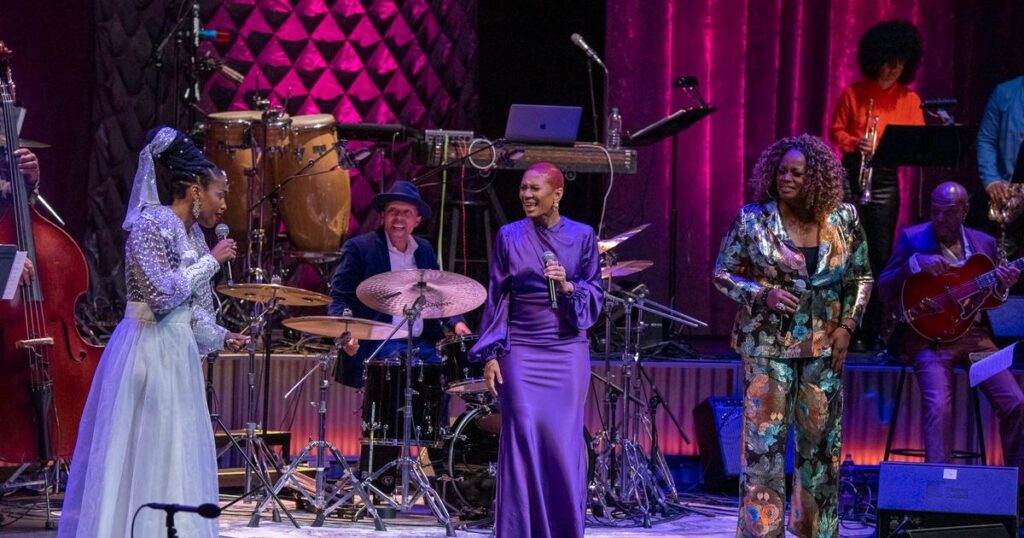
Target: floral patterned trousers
{"type": "Point", "coordinates": [806, 393]}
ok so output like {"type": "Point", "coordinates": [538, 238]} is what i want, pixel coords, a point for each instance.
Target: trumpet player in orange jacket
{"type": "Point", "coordinates": [888, 56]}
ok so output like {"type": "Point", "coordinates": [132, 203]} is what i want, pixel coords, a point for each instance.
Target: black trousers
{"type": "Point", "coordinates": [878, 218]}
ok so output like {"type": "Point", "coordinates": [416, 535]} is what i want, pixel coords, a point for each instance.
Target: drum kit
{"type": "Point", "coordinates": [402, 399]}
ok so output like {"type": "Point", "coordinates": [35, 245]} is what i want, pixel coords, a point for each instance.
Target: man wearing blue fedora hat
{"type": "Point", "coordinates": [392, 247]}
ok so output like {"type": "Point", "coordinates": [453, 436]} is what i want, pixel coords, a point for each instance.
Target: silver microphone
{"type": "Point", "coordinates": [579, 42]}
{"type": "Point", "coordinates": [222, 231]}
{"type": "Point", "coordinates": [548, 258]}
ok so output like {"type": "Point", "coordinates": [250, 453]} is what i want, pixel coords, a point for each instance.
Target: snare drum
{"type": "Point", "coordinates": [461, 375]}
{"type": "Point", "coordinates": [384, 397]}
{"type": "Point", "coordinates": [316, 205]}
{"type": "Point", "coordinates": [228, 145]}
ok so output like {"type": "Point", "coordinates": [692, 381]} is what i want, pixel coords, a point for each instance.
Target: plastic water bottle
{"type": "Point", "coordinates": [613, 130]}
{"type": "Point", "coordinates": [847, 491]}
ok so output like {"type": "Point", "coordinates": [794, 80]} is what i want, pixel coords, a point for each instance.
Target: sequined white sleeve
{"type": "Point", "coordinates": [209, 335]}
{"type": "Point", "coordinates": [153, 267]}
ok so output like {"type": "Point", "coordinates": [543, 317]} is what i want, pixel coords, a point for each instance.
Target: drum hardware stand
{"type": "Point", "coordinates": [637, 475]}
{"type": "Point", "coordinates": [407, 464]}
{"type": "Point", "coordinates": [256, 452]}
{"type": "Point", "coordinates": [250, 466]}
{"type": "Point", "coordinates": [318, 500]}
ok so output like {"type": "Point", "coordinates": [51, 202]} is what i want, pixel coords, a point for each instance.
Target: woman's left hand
{"type": "Point", "coordinates": [839, 339]}
{"type": "Point", "coordinates": [235, 341]}
{"type": "Point", "coordinates": [555, 271]}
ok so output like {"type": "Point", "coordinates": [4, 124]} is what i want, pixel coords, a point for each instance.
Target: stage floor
{"type": "Point", "coordinates": [720, 522]}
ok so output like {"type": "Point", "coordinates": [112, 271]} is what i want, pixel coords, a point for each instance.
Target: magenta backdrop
{"type": "Point", "coordinates": [773, 68]}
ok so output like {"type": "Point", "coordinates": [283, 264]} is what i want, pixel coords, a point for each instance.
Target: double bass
{"type": "Point", "coordinates": [46, 366]}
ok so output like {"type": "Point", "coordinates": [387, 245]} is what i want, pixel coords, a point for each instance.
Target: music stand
{"type": "Point", "coordinates": [924, 145]}
{"type": "Point", "coordinates": [671, 125]}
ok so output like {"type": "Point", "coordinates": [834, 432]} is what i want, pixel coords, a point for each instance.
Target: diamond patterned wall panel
{"type": "Point", "coordinates": [386, 61]}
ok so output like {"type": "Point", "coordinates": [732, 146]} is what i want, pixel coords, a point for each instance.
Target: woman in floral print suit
{"type": "Point", "coordinates": [797, 263]}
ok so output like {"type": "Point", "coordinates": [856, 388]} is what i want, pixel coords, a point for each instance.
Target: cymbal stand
{"type": "Point", "coordinates": [318, 499]}
{"type": "Point", "coordinates": [256, 450]}
{"type": "Point", "coordinates": [410, 467]}
{"type": "Point", "coordinates": [250, 466]}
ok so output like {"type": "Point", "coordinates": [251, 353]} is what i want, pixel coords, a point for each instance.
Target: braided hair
{"type": "Point", "coordinates": [179, 167]}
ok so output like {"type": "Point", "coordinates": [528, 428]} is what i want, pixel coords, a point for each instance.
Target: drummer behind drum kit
{"type": "Point", "coordinates": [402, 399]}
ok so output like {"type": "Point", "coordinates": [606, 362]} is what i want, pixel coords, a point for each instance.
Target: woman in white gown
{"type": "Point", "coordinates": [145, 434]}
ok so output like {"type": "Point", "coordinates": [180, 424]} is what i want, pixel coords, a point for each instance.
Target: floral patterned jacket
{"type": "Point", "coordinates": [757, 253]}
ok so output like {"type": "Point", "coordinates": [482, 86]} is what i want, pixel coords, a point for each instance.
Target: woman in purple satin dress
{"type": "Point", "coordinates": [538, 361]}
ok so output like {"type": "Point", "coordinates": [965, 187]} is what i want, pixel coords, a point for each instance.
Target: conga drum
{"type": "Point", "coordinates": [315, 205]}
{"type": "Point", "coordinates": [228, 145]}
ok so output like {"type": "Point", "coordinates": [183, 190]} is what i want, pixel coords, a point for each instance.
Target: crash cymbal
{"type": "Point", "coordinates": [445, 294]}
{"type": "Point", "coordinates": [625, 268]}
{"type": "Point", "coordinates": [335, 326]}
{"type": "Point", "coordinates": [265, 293]}
{"type": "Point", "coordinates": [25, 143]}
{"type": "Point", "coordinates": [607, 244]}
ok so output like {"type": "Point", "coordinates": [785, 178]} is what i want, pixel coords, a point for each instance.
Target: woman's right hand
{"type": "Point", "coordinates": [782, 301]}
{"type": "Point", "coordinates": [492, 375]}
{"type": "Point", "coordinates": [224, 251]}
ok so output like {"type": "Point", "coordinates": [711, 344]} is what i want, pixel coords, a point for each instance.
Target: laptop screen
{"type": "Point", "coordinates": [543, 124]}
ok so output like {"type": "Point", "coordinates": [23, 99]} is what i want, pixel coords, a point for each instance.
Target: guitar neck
{"type": "Point", "coordinates": [989, 279]}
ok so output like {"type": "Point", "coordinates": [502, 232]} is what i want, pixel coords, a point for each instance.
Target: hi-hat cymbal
{"type": "Point", "coordinates": [445, 294]}
{"type": "Point", "coordinates": [335, 326]}
{"type": "Point", "coordinates": [625, 268]}
{"type": "Point", "coordinates": [25, 143]}
{"type": "Point", "coordinates": [265, 293]}
{"type": "Point", "coordinates": [607, 244]}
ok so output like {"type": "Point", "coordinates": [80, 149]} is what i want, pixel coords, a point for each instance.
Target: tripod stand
{"type": "Point", "coordinates": [410, 468]}
{"type": "Point", "coordinates": [318, 500]}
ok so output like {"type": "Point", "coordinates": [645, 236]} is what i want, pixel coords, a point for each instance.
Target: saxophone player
{"type": "Point", "coordinates": [999, 142]}
{"type": "Point", "coordinates": [888, 56]}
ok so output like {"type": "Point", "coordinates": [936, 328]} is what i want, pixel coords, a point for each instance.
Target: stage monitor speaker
{"type": "Point", "coordinates": [970, 531]}
{"type": "Point", "coordinates": [919, 496]}
{"type": "Point", "coordinates": [719, 424]}
{"type": "Point", "coordinates": [1008, 323]}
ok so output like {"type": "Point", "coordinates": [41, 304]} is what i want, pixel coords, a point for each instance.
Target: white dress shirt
{"type": "Point", "coordinates": [401, 261]}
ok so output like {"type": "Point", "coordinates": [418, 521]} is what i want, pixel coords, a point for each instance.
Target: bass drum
{"type": "Point", "coordinates": [229, 146]}
{"type": "Point", "coordinates": [471, 462]}
{"type": "Point", "coordinates": [316, 205]}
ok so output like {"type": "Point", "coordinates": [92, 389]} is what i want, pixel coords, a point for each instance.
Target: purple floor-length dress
{"type": "Point", "coordinates": [545, 363]}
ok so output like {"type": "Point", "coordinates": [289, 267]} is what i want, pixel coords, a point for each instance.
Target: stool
{"type": "Point", "coordinates": [919, 452]}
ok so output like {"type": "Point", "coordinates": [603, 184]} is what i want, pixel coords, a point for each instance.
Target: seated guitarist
{"type": "Point", "coordinates": [934, 247]}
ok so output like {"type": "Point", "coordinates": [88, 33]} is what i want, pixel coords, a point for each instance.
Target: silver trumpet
{"type": "Point", "coordinates": [871, 133]}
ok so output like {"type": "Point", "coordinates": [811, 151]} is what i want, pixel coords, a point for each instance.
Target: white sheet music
{"type": "Point", "coordinates": [991, 365]}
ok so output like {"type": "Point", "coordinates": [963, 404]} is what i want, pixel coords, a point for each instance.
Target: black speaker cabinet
{"type": "Point", "coordinates": [915, 497]}
{"type": "Point", "coordinates": [969, 531]}
{"type": "Point", "coordinates": [719, 425]}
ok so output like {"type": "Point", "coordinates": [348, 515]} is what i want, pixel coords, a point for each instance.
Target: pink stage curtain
{"type": "Point", "coordinates": [774, 68]}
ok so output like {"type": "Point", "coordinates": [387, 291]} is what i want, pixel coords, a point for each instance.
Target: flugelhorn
{"type": "Point", "coordinates": [871, 133]}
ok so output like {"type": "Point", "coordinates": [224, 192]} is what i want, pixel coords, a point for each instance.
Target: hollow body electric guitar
{"type": "Point", "coordinates": [942, 308]}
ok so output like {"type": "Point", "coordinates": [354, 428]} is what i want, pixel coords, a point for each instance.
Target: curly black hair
{"type": "Point", "coordinates": [823, 179]}
{"type": "Point", "coordinates": [889, 42]}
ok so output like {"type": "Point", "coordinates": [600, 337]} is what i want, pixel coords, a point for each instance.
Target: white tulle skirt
{"type": "Point", "coordinates": [145, 434]}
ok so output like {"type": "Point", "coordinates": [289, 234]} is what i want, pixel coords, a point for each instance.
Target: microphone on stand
{"type": "Point", "coordinates": [207, 510]}
{"type": "Point", "coordinates": [548, 258]}
{"type": "Point", "coordinates": [222, 231]}
{"type": "Point", "coordinates": [579, 42]}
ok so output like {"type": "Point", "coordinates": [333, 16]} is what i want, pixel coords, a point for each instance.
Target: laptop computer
{"type": "Point", "coordinates": [543, 124]}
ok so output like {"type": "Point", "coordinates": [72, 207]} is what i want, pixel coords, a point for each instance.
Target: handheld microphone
{"type": "Point", "coordinates": [222, 233]}
{"type": "Point", "coordinates": [548, 258]}
{"type": "Point", "coordinates": [799, 287]}
{"type": "Point", "coordinates": [207, 510]}
{"type": "Point", "coordinates": [579, 42]}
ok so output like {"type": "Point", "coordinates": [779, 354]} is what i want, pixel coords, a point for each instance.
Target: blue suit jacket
{"type": "Point", "coordinates": [364, 256]}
